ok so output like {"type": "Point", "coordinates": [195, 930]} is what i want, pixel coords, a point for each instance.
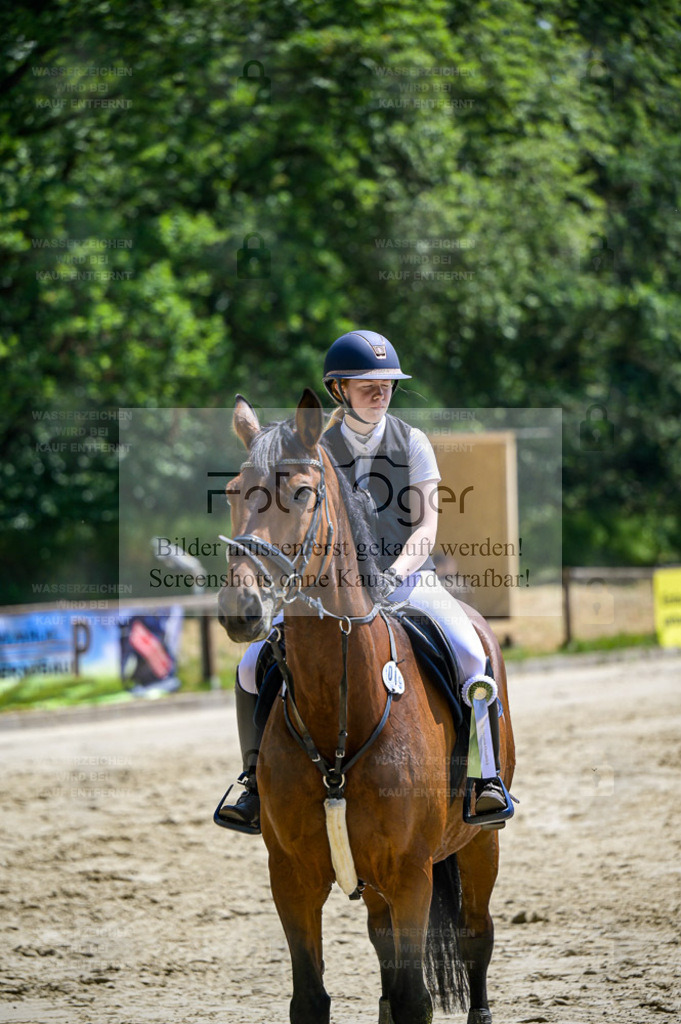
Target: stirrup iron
{"type": "Point", "coordinates": [490, 819]}
{"type": "Point", "coordinates": [235, 826]}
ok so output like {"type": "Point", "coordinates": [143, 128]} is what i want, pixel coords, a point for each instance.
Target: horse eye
{"type": "Point", "coordinates": [302, 495]}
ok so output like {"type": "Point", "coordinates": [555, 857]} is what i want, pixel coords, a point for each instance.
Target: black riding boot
{"type": "Point", "coordinates": [489, 795]}
{"type": "Point", "coordinates": [244, 815]}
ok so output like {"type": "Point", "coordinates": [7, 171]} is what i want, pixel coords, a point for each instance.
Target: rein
{"type": "Point", "coordinates": [252, 547]}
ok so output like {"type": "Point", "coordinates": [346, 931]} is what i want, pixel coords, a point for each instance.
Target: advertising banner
{"type": "Point", "coordinates": [667, 596]}
{"type": "Point", "coordinates": [139, 648]}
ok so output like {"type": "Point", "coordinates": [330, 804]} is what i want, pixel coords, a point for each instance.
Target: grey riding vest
{"type": "Point", "coordinates": [397, 507]}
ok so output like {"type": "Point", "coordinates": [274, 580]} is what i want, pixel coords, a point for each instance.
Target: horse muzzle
{"type": "Point", "coordinates": [245, 614]}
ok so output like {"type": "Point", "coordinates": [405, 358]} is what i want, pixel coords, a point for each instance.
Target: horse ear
{"type": "Point", "coordinates": [309, 419]}
{"type": "Point", "coordinates": [245, 421]}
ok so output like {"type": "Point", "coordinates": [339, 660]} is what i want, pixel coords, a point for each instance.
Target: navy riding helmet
{"type": "Point", "coordinates": [361, 355]}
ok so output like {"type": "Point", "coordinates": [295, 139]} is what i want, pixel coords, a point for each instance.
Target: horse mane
{"type": "Point", "coordinates": [280, 440]}
{"type": "Point", "coordinates": [363, 537]}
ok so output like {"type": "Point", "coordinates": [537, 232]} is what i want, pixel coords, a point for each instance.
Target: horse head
{"type": "Point", "coordinates": [276, 505]}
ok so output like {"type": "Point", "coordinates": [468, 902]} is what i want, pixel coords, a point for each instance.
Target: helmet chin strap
{"type": "Point", "coordinates": [350, 408]}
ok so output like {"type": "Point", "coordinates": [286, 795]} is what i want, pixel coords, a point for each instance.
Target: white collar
{"type": "Point", "coordinates": [360, 446]}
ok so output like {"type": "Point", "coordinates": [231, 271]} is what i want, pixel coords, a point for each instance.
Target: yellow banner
{"type": "Point", "coordinates": [667, 596]}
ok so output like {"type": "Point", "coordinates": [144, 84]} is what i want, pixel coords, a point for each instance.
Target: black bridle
{"type": "Point", "coordinates": [255, 548]}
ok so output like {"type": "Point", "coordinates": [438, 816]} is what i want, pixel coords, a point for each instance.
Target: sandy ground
{"type": "Point", "coordinates": [122, 902]}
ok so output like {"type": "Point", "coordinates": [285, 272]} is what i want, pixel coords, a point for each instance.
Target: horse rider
{"type": "Point", "coordinates": [361, 373]}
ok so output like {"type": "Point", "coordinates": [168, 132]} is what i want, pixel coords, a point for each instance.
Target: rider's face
{"type": "Point", "coordinates": [370, 398]}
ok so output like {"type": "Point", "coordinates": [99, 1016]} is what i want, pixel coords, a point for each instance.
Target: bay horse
{"type": "Point", "coordinates": [426, 876]}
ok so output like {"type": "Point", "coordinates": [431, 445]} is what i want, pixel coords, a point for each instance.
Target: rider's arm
{"type": "Point", "coordinates": [424, 516]}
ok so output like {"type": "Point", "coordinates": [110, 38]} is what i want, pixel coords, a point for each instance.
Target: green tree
{"type": "Point", "coordinates": [481, 134]}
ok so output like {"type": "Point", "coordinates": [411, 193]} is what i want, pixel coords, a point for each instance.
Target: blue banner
{"type": "Point", "coordinates": [130, 644]}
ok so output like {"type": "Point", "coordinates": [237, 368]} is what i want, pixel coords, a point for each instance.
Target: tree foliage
{"type": "Point", "coordinates": [530, 147]}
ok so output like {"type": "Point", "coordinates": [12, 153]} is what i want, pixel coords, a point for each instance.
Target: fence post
{"type": "Point", "coordinates": [206, 650]}
{"type": "Point", "coordinates": [567, 619]}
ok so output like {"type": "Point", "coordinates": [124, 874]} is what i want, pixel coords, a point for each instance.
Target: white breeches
{"type": "Point", "coordinates": [246, 669]}
{"type": "Point", "coordinates": [425, 591]}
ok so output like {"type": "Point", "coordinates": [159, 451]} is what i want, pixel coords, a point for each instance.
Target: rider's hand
{"type": "Point", "coordinates": [387, 582]}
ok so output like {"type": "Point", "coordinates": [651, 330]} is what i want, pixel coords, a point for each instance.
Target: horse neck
{"type": "Point", "coordinates": [314, 645]}
{"type": "Point", "coordinates": [343, 590]}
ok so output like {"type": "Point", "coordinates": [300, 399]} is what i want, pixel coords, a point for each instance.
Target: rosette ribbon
{"type": "Point", "coordinates": [479, 692]}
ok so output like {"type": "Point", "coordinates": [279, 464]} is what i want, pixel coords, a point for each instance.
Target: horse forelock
{"type": "Point", "coordinates": [275, 442]}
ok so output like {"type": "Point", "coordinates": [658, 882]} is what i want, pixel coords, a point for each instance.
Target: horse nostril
{"type": "Point", "coordinates": [249, 608]}
{"type": "Point", "coordinates": [240, 613]}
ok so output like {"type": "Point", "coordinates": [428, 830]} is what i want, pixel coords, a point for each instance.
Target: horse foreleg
{"type": "Point", "coordinates": [410, 1001]}
{"type": "Point", "coordinates": [381, 935]}
{"type": "Point", "coordinates": [299, 905]}
{"type": "Point", "coordinates": [478, 866]}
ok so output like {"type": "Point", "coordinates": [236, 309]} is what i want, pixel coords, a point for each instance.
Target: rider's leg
{"type": "Point", "coordinates": [429, 595]}
{"type": "Point", "coordinates": [246, 810]}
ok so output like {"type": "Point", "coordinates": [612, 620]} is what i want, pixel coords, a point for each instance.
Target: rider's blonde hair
{"type": "Point", "coordinates": [335, 417]}
{"type": "Point", "coordinates": [337, 414]}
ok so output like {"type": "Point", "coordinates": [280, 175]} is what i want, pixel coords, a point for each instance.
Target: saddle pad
{"type": "Point", "coordinates": [439, 662]}
{"type": "Point", "coordinates": [435, 654]}
{"type": "Point", "coordinates": [267, 680]}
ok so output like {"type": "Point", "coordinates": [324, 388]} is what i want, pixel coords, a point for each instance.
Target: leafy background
{"type": "Point", "coordinates": [550, 155]}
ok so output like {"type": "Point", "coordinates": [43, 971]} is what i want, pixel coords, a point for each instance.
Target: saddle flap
{"type": "Point", "coordinates": [267, 680]}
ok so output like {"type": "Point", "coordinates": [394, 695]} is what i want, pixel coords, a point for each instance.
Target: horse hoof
{"type": "Point", "coordinates": [479, 1017]}
{"type": "Point", "coordinates": [384, 1014]}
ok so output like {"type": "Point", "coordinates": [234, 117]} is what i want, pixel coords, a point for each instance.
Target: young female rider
{"type": "Point", "coordinates": [387, 458]}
